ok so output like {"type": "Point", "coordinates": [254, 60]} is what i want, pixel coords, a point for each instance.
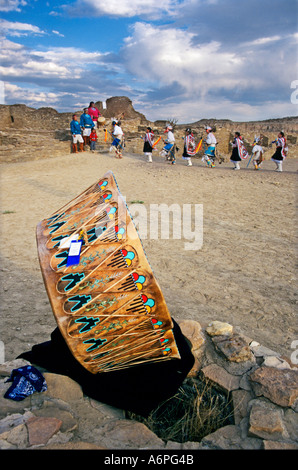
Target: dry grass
{"type": "Point", "coordinates": [195, 411]}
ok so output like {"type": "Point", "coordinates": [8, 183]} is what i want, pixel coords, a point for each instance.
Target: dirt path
{"type": "Point", "coordinates": [243, 274]}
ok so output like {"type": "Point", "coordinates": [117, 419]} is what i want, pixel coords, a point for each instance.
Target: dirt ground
{"type": "Point", "coordinates": [244, 273]}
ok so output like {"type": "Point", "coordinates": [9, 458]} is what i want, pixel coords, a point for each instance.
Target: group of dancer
{"type": "Point", "coordinates": [84, 133]}
{"type": "Point", "coordinates": [190, 149]}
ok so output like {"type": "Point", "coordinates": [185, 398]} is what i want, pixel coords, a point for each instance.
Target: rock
{"type": "Point", "coordinates": [193, 332]}
{"type": "Point", "coordinates": [17, 436]}
{"type": "Point", "coordinates": [218, 328]}
{"type": "Point", "coordinates": [291, 423]}
{"type": "Point", "coordinates": [13, 420]}
{"type": "Point", "coordinates": [42, 429]}
{"type": "Point", "coordinates": [107, 410]}
{"type": "Point", "coordinates": [8, 406]}
{"type": "Point", "coordinates": [229, 437]}
{"type": "Point", "coordinates": [240, 398]}
{"type": "Point", "coordinates": [234, 348]}
{"type": "Point", "coordinates": [69, 423]}
{"type": "Point", "coordinates": [261, 351]}
{"type": "Point", "coordinates": [266, 421]}
{"type": "Point", "coordinates": [6, 368]}
{"type": "Point", "coordinates": [79, 445]}
{"type": "Point", "coordinates": [274, 445]}
{"type": "Point", "coordinates": [61, 386]}
{"type": "Point", "coordinates": [126, 434]}
{"type": "Point", "coordinates": [221, 377]}
{"type": "Point", "coordinates": [274, 361]}
{"type": "Point", "coordinates": [279, 385]}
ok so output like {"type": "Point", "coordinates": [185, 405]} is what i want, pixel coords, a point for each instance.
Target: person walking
{"type": "Point", "coordinates": [189, 147]}
{"type": "Point", "coordinates": [170, 144]}
{"type": "Point", "coordinates": [281, 151]}
{"type": "Point", "coordinates": [118, 141]}
{"type": "Point", "coordinates": [239, 152]}
{"type": "Point", "coordinates": [209, 154]}
{"type": "Point", "coordinates": [257, 153]}
{"type": "Point", "coordinates": [148, 144]}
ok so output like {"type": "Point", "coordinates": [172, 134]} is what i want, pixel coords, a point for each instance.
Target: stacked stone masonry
{"type": "Point", "coordinates": [263, 386]}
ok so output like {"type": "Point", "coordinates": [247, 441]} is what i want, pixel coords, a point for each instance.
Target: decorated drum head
{"type": "Point", "coordinates": [105, 299]}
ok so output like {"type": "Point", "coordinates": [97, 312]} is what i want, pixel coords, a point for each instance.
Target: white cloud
{"type": "Point", "coordinates": [57, 33]}
{"type": "Point", "coordinates": [62, 63]}
{"type": "Point", "coordinates": [168, 55]}
{"type": "Point", "coordinates": [12, 5]}
{"type": "Point", "coordinates": [130, 8]}
{"type": "Point", "coordinates": [14, 28]}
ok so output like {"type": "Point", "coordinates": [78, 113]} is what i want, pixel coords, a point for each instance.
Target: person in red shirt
{"type": "Point", "coordinates": [93, 139]}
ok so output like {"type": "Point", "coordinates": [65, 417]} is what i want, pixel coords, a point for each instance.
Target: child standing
{"type": "Point", "coordinates": [93, 139]}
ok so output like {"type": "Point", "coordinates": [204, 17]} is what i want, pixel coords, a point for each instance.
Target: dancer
{"type": "Point", "coordinates": [257, 153]}
{"type": "Point", "coordinates": [148, 144]}
{"type": "Point", "coordinates": [239, 152]}
{"type": "Point", "coordinates": [281, 151]}
{"type": "Point", "coordinates": [118, 141]}
{"type": "Point", "coordinates": [189, 146]}
{"type": "Point", "coordinates": [211, 142]}
{"type": "Point", "coordinates": [169, 148]}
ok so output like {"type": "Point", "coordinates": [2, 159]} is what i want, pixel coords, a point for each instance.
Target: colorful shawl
{"type": "Point", "coordinates": [281, 142]}
{"type": "Point", "coordinates": [243, 154]}
{"type": "Point", "coordinates": [190, 146]}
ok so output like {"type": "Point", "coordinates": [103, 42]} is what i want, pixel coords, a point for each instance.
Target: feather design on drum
{"type": "Point", "coordinates": [108, 305]}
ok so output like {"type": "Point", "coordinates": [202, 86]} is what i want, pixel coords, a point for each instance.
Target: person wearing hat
{"type": "Point", "coordinates": [76, 133]}
{"type": "Point", "coordinates": [239, 152]}
{"type": "Point", "coordinates": [148, 144]}
{"type": "Point", "coordinates": [211, 142]}
{"type": "Point", "coordinates": [257, 153]}
{"type": "Point", "coordinates": [189, 147]}
{"type": "Point", "coordinates": [118, 136]}
{"type": "Point", "coordinates": [86, 124]}
{"type": "Point", "coordinates": [281, 151]}
{"type": "Point", "coordinates": [170, 144]}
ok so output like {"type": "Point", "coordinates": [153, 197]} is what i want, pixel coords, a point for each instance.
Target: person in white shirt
{"type": "Point", "coordinates": [257, 153]}
{"type": "Point", "coordinates": [169, 148]}
{"type": "Point", "coordinates": [211, 142]}
{"type": "Point", "coordinates": [117, 143]}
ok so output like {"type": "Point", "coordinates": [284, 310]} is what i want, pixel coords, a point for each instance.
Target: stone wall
{"type": "Point", "coordinates": [262, 385]}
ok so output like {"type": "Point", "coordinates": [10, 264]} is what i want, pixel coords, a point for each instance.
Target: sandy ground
{"type": "Point", "coordinates": [243, 274]}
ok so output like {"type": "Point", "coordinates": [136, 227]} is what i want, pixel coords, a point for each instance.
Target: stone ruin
{"type": "Point", "coordinates": [261, 385]}
{"type": "Point", "coordinates": [28, 134]}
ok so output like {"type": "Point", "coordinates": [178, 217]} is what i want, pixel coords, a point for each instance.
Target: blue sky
{"type": "Point", "coordinates": [182, 59]}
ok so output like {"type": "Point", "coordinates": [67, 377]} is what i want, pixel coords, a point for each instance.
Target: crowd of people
{"type": "Point", "coordinates": [84, 133]}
